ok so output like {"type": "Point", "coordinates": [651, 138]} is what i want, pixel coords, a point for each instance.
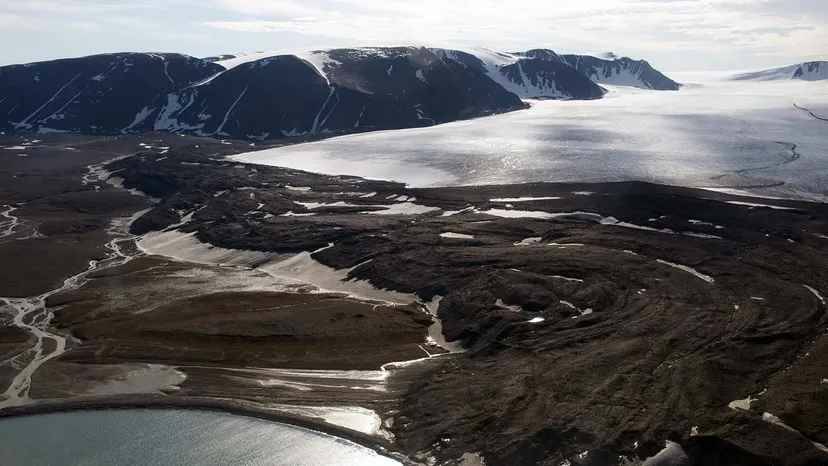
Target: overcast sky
{"type": "Point", "coordinates": [678, 35]}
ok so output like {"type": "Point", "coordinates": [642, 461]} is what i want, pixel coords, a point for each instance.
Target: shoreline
{"type": "Point", "coordinates": [226, 406]}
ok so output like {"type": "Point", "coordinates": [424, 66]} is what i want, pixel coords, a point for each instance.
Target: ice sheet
{"type": "Point", "coordinates": [714, 133]}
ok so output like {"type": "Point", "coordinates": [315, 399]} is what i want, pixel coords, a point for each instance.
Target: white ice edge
{"type": "Point", "coordinates": [528, 241]}
{"type": "Point", "coordinates": [452, 235]}
{"type": "Point", "coordinates": [398, 208]}
{"type": "Point", "coordinates": [816, 293]}
{"type": "Point", "coordinates": [672, 453]}
{"type": "Point", "coordinates": [524, 199]}
{"type": "Point", "coordinates": [356, 418]}
{"type": "Point", "coordinates": [772, 419]}
{"type": "Point", "coordinates": [146, 378]}
{"type": "Point", "coordinates": [688, 269]}
{"type": "Point", "coordinates": [755, 204]}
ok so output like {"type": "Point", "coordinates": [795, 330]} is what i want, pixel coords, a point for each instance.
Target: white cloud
{"type": "Point", "coordinates": [269, 8]}
{"type": "Point", "coordinates": [650, 28]}
{"type": "Point", "coordinates": [673, 34]}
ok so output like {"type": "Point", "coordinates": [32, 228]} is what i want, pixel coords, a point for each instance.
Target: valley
{"type": "Point", "coordinates": [597, 323]}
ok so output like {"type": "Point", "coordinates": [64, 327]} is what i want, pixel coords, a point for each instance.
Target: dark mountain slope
{"type": "Point", "coordinates": [352, 90]}
{"type": "Point", "coordinates": [96, 94]}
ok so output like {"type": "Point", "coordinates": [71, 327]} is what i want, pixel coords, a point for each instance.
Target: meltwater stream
{"type": "Point", "coordinates": [185, 437]}
{"type": "Point", "coordinates": [171, 437]}
{"type": "Point", "coordinates": [32, 315]}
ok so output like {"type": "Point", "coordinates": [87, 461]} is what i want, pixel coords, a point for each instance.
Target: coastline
{"type": "Point", "coordinates": [226, 406]}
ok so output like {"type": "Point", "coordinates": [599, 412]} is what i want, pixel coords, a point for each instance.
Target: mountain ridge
{"type": "Point", "coordinates": [621, 71]}
{"type": "Point", "coordinates": [265, 96]}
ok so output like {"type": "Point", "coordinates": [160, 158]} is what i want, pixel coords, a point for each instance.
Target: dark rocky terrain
{"type": "Point", "coordinates": [600, 320]}
{"type": "Point", "coordinates": [234, 328]}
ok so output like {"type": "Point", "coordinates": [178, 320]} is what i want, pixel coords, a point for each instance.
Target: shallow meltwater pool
{"type": "Point", "coordinates": [171, 437]}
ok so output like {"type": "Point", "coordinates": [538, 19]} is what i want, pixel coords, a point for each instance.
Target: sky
{"type": "Point", "coordinates": [674, 35]}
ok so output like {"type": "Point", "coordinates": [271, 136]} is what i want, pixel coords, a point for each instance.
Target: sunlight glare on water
{"type": "Point", "coordinates": [171, 437]}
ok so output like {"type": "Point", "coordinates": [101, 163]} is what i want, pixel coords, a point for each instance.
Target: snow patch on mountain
{"type": "Point", "coordinates": [321, 61]}
{"type": "Point", "coordinates": [139, 118]}
{"type": "Point", "coordinates": [246, 57]}
{"type": "Point", "coordinates": [167, 119]}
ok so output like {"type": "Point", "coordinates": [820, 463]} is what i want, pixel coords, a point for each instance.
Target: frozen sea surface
{"type": "Point", "coordinates": [712, 133]}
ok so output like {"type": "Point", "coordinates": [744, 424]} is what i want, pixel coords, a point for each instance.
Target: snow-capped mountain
{"type": "Point", "coordinates": [610, 69]}
{"type": "Point", "coordinates": [275, 95]}
{"type": "Point", "coordinates": [526, 75]}
{"type": "Point", "coordinates": [808, 71]}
